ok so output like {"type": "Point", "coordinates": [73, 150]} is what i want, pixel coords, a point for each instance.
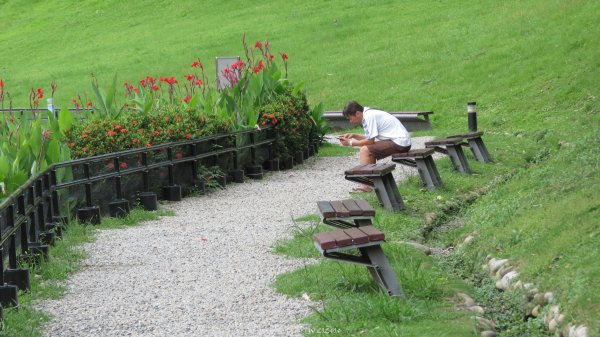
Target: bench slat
{"type": "Point", "coordinates": [325, 240]}
{"type": "Point", "coordinates": [340, 210]}
{"type": "Point", "coordinates": [352, 207]}
{"type": "Point", "coordinates": [473, 134]}
{"type": "Point", "coordinates": [357, 235]}
{"type": "Point", "coordinates": [373, 233]}
{"type": "Point", "coordinates": [447, 141]}
{"type": "Point", "coordinates": [414, 153]}
{"type": "Point", "coordinates": [326, 210]}
{"type": "Point", "coordinates": [341, 239]}
{"type": "Point", "coordinates": [371, 169]}
{"type": "Point", "coordinates": [366, 208]}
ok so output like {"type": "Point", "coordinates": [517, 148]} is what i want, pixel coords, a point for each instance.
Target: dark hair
{"type": "Point", "coordinates": [352, 107]}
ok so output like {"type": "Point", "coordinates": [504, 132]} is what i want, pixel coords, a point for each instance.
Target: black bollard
{"type": "Point", "coordinates": [472, 116]}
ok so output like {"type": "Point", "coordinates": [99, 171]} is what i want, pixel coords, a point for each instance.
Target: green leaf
{"type": "Point", "coordinates": [4, 166]}
{"type": "Point", "coordinates": [65, 120]}
{"type": "Point", "coordinates": [53, 151]}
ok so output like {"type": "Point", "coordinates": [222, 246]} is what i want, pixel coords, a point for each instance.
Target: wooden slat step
{"type": "Point", "coordinates": [447, 141]}
{"type": "Point", "coordinates": [325, 209]}
{"type": "Point", "coordinates": [352, 207]}
{"type": "Point", "coordinates": [474, 134]}
{"type": "Point", "coordinates": [340, 210]}
{"type": "Point", "coordinates": [348, 237]}
{"type": "Point", "coordinates": [366, 208]}
{"type": "Point", "coordinates": [371, 169]}
{"type": "Point", "coordinates": [345, 209]}
{"type": "Point", "coordinates": [373, 233]}
{"type": "Point", "coordinates": [416, 153]}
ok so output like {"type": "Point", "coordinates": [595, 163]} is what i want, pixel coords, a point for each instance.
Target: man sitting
{"type": "Point", "coordinates": [384, 135]}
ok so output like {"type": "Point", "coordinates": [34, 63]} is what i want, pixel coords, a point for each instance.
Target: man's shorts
{"type": "Point", "coordinates": [385, 148]}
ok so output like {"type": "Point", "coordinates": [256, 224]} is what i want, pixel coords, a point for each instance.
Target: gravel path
{"type": "Point", "coordinates": [207, 270]}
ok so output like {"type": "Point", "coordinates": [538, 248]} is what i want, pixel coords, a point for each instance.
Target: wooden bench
{"type": "Point", "coordinates": [475, 143]}
{"type": "Point", "coordinates": [452, 148]}
{"type": "Point", "coordinates": [367, 241]}
{"type": "Point", "coordinates": [380, 177]}
{"type": "Point", "coordinates": [346, 213]}
{"type": "Point", "coordinates": [423, 161]}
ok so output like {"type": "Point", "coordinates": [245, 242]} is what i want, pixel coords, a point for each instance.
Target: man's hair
{"type": "Point", "coordinates": [352, 108]}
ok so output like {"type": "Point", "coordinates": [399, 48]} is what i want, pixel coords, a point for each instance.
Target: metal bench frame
{"type": "Point", "coordinates": [423, 161]}
{"type": "Point", "coordinates": [371, 255]}
{"type": "Point", "coordinates": [380, 177]}
{"type": "Point", "coordinates": [475, 143]}
{"type": "Point", "coordinates": [453, 148]}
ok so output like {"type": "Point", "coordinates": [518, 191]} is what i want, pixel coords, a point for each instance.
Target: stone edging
{"type": "Point", "coordinates": [507, 279]}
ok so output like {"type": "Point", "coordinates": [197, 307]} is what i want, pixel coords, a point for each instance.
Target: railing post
{"type": "Point", "coordinates": [14, 275]}
{"type": "Point", "coordinates": [120, 206]}
{"type": "Point", "coordinates": [272, 163]}
{"type": "Point", "coordinates": [89, 214]}
{"type": "Point", "coordinates": [253, 171]}
{"type": "Point", "coordinates": [171, 192]}
{"type": "Point", "coordinates": [47, 234]}
{"type": "Point", "coordinates": [147, 199]}
{"type": "Point", "coordinates": [236, 173]}
{"type": "Point", "coordinates": [24, 231]}
{"type": "Point", "coordinates": [36, 249]}
{"type": "Point", "coordinates": [62, 221]}
{"type": "Point", "coordinates": [8, 292]}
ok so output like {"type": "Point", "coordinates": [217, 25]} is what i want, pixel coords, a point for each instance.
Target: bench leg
{"type": "Point", "coordinates": [479, 150]}
{"type": "Point", "coordinates": [381, 271]}
{"type": "Point", "coordinates": [387, 193]}
{"type": "Point", "coordinates": [457, 156]}
{"type": "Point", "coordinates": [429, 173]}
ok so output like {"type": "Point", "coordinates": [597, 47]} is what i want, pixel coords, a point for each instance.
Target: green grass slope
{"type": "Point", "coordinates": [532, 66]}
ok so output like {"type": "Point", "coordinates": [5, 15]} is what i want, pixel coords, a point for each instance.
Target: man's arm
{"type": "Point", "coordinates": [348, 140]}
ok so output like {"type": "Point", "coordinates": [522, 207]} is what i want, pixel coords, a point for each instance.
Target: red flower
{"type": "Point", "coordinates": [195, 64]}
{"type": "Point", "coordinates": [123, 165]}
{"type": "Point", "coordinates": [1, 84]}
{"type": "Point", "coordinates": [150, 79]}
{"type": "Point", "coordinates": [198, 82]}
{"type": "Point", "coordinates": [190, 77]}
{"type": "Point", "coordinates": [155, 87]}
{"type": "Point", "coordinates": [123, 130]}
{"type": "Point", "coordinates": [256, 70]}
{"type": "Point", "coordinates": [178, 155]}
{"type": "Point", "coordinates": [188, 136]}
{"type": "Point", "coordinates": [117, 127]}
{"type": "Point", "coordinates": [271, 56]}
{"type": "Point", "coordinates": [148, 144]}
{"type": "Point", "coordinates": [187, 98]}
{"type": "Point", "coordinates": [84, 149]}
{"type": "Point", "coordinates": [85, 135]}
{"type": "Point", "coordinates": [284, 56]}
{"type": "Point", "coordinates": [110, 166]}
{"type": "Point", "coordinates": [40, 93]}
{"type": "Point", "coordinates": [143, 83]}
{"type": "Point", "coordinates": [36, 102]}
{"type": "Point", "coordinates": [110, 133]}
{"type": "Point", "coordinates": [258, 45]}
{"type": "Point", "coordinates": [260, 64]}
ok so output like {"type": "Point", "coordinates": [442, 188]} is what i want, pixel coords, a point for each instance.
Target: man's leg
{"type": "Point", "coordinates": [365, 156]}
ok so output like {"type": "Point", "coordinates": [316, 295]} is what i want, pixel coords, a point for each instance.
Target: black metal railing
{"type": "Point", "coordinates": [34, 215]}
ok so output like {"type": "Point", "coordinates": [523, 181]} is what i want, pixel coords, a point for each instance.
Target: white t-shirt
{"type": "Point", "coordinates": [381, 125]}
